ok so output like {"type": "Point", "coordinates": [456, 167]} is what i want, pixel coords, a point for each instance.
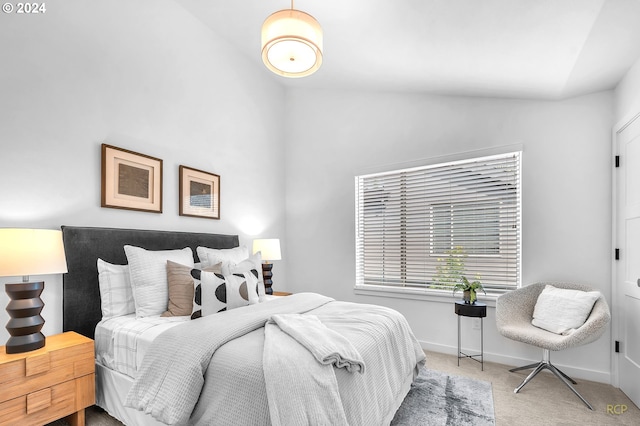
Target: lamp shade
{"type": "Point", "coordinates": [31, 252]}
{"type": "Point", "coordinates": [292, 43]}
{"type": "Point", "coordinates": [269, 248]}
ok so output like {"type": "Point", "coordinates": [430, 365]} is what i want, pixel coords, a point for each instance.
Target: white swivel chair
{"type": "Point", "coordinates": [514, 312]}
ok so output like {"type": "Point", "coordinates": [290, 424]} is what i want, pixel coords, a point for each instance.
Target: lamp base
{"type": "Point", "coordinates": [20, 344]}
{"type": "Point", "coordinates": [25, 323]}
{"type": "Point", "coordinates": [266, 277]}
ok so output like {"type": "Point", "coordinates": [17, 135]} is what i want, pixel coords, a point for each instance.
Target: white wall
{"type": "Point", "coordinates": [146, 76]}
{"type": "Point", "coordinates": [627, 94]}
{"type": "Point", "coordinates": [334, 135]}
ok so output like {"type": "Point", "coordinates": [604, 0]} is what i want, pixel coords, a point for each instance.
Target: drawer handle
{"type": "Point", "coordinates": [39, 400]}
{"type": "Point", "coordinates": [37, 364]}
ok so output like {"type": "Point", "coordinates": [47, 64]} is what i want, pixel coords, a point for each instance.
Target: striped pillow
{"type": "Point", "coordinates": [116, 296]}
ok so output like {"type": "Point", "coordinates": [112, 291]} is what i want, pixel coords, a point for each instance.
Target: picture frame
{"type": "Point", "coordinates": [199, 193]}
{"type": "Point", "coordinates": [130, 180]}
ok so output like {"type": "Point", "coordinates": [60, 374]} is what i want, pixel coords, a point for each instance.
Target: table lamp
{"type": "Point", "coordinates": [28, 252]}
{"type": "Point", "coordinates": [270, 250]}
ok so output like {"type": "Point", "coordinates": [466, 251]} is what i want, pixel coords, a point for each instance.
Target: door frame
{"type": "Point", "coordinates": [615, 308]}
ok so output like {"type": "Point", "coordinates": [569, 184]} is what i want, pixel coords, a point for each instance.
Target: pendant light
{"type": "Point", "coordinates": [292, 43]}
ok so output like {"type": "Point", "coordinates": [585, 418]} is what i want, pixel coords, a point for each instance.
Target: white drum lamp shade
{"type": "Point", "coordinates": [269, 248]}
{"type": "Point", "coordinates": [26, 252]}
{"type": "Point", "coordinates": [292, 43]}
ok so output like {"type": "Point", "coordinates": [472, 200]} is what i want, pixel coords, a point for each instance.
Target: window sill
{"type": "Point", "coordinates": [431, 295]}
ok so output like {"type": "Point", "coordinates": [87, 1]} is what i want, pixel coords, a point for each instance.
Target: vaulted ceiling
{"type": "Point", "coordinates": [545, 49]}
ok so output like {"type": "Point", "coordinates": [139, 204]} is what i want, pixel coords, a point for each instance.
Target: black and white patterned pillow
{"type": "Point", "coordinates": [214, 292]}
{"type": "Point", "coordinates": [251, 264]}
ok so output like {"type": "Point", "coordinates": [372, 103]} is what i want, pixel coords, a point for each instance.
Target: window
{"type": "Point", "coordinates": [425, 227]}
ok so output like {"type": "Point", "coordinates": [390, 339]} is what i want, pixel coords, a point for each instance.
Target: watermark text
{"type": "Point", "coordinates": [616, 409]}
{"type": "Point", "coordinates": [24, 8]}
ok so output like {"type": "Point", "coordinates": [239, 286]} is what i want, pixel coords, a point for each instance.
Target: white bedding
{"type": "Point", "coordinates": [111, 389]}
{"type": "Point", "coordinates": [194, 391]}
{"type": "Point", "coordinates": [235, 373]}
{"type": "Point", "coordinates": [122, 342]}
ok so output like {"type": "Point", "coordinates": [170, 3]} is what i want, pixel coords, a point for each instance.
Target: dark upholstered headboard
{"type": "Point", "coordinates": [83, 246]}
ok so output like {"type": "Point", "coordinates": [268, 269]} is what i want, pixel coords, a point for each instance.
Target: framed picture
{"type": "Point", "coordinates": [199, 193]}
{"type": "Point", "coordinates": [131, 180]}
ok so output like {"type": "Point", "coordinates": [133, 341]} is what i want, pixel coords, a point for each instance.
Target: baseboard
{"type": "Point", "coordinates": [511, 361]}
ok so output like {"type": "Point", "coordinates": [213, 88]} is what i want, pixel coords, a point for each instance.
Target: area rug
{"type": "Point", "coordinates": [437, 398]}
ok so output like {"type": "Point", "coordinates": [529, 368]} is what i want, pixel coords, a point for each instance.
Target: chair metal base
{"type": "Point", "coordinates": [546, 364]}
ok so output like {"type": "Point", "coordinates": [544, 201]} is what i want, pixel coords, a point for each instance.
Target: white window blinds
{"type": "Point", "coordinates": [427, 226]}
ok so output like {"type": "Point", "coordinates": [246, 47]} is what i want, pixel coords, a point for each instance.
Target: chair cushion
{"type": "Point", "coordinates": [562, 311]}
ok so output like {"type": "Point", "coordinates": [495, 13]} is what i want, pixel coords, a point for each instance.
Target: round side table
{"type": "Point", "coordinates": [476, 310]}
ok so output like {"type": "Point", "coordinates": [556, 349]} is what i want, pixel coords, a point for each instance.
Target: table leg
{"type": "Point", "coordinates": [76, 419]}
{"type": "Point", "coordinates": [458, 340]}
{"type": "Point", "coordinates": [482, 342]}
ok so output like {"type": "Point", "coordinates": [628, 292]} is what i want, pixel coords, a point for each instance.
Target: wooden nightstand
{"type": "Point", "coordinates": [47, 384]}
{"type": "Point", "coordinates": [281, 293]}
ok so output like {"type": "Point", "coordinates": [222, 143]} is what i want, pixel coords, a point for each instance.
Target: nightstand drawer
{"type": "Point", "coordinates": [49, 383]}
{"type": "Point", "coordinates": [42, 370]}
{"type": "Point", "coordinates": [40, 407]}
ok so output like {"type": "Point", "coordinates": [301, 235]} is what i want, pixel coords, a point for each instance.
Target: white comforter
{"type": "Point", "coordinates": [222, 381]}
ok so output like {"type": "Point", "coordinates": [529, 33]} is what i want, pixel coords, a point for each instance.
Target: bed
{"type": "Point", "coordinates": [255, 364]}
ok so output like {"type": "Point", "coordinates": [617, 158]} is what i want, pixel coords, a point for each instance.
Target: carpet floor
{"type": "Point", "coordinates": [545, 401]}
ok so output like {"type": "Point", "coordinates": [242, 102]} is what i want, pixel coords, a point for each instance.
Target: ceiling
{"type": "Point", "coordinates": [543, 49]}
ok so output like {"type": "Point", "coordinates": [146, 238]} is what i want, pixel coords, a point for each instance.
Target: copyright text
{"type": "Point", "coordinates": [24, 8]}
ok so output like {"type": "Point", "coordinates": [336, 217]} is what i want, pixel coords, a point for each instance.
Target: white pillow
{"type": "Point", "coordinates": [148, 274]}
{"type": "Point", "coordinates": [562, 311]}
{"type": "Point", "coordinates": [116, 295]}
{"type": "Point", "coordinates": [253, 264]}
{"type": "Point", "coordinates": [209, 256]}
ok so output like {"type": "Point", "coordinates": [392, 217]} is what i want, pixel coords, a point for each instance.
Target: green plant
{"type": "Point", "coordinates": [471, 287]}
{"type": "Point", "coordinates": [450, 269]}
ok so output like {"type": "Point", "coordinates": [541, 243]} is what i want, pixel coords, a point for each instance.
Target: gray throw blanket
{"type": "Point", "coordinates": [298, 359]}
{"type": "Point", "coordinates": [327, 346]}
{"type": "Point", "coordinates": [171, 377]}
{"type": "Point", "coordinates": [303, 391]}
